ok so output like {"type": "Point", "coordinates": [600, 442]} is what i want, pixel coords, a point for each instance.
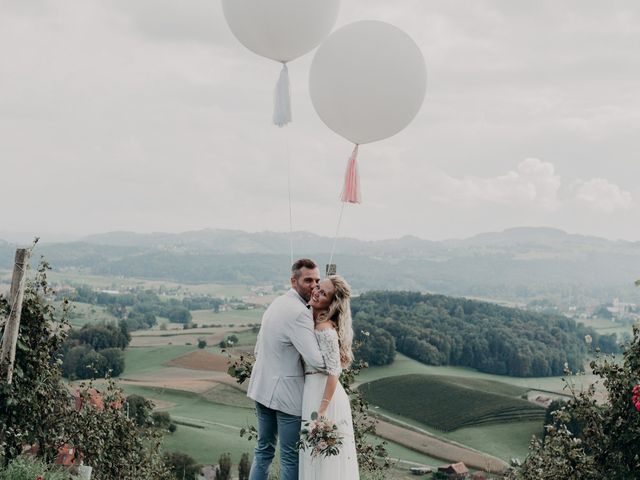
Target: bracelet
{"type": "Point", "coordinates": [326, 400]}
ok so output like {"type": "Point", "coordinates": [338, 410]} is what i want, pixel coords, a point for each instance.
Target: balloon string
{"type": "Point", "coordinates": [335, 237]}
{"type": "Point", "coordinates": [288, 154]}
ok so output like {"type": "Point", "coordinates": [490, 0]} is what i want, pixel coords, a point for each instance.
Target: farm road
{"type": "Point", "coordinates": [424, 442]}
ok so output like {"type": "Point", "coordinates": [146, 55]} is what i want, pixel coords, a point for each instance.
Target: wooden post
{"type": "Point", "coordinates": [11, 329]}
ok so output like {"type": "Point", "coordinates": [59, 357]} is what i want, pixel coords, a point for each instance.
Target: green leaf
{"type": "Point", "coordinates": [314, 415]}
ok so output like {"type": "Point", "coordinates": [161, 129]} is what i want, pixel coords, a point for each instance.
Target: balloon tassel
{"type": "Point", "coordinates": [282, 99]}
{"type": "Point", "coordinates": [351, 190]}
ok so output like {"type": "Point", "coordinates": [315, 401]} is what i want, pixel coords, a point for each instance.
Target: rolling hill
{"type": "Point", "coordinates": [518, 264]}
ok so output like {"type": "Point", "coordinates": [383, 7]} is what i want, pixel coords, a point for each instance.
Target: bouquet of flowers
{"type": "Point", "coordinates": [321, 436]}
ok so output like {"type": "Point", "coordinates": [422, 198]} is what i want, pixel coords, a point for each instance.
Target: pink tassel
{"type": "Point", "coordinates": [351, 190]}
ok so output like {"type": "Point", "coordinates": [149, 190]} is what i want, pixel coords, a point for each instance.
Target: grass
{"type": "Point", "coordinates": [245, 338]}
{"type": "Point", "coordinates": [606, 327]}
{"type": "Point", "coordinates": [227, 395]}
{"type": "Point", "coordinates": [221, 424]}
{"type": "Point", "coordinates": [232, 317]}
{"type": "Point", "coordinates": [403, 453]}
{"type": "Point", "coordinates": [84, 313]}
{"type": "Point", "coordinates": [449, 404]}
{"type": "Point", "coordinates": [140, 360]}
{"type": "Point", "coordinates": [207, 444]}
{"type": "Point", "coordinates": [506, 441]}
{"type": "Point", "coordinates": [404, 366]}
{"type": "Point", "coordinates": [98, 281]}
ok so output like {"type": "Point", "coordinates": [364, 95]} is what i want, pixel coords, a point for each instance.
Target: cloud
{"type": "Point", "coordinates": [601, 195]}
{"type": "Point", "coordinates": [534, 182]}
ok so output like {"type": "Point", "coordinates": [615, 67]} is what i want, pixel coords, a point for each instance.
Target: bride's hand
{"type": "Point", "coordinates": [322, 411]}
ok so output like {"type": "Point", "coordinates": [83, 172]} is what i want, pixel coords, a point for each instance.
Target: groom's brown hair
{"type": "Point", "coordinates": [300, 264]}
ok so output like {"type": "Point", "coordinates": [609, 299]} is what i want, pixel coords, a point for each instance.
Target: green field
{"type": "Point", "coordinates": [83, 313]}
{"type": "Point", "coordinates": [218, 426]}
{"type": "Point", "coordinates": [234, 318]}
{"type": "Point", "coordinates": [404, 366]}
{"type": "Point", "coordinates": [606, 327]}
{"type": "Point", "coordinates": [139, 360]}
{"type": "Point", "coordinates": [448, 404]}
{"type": "Point", "coordinates": [116, 282]}
{"type": "Point", "coordinates": [505, 440]}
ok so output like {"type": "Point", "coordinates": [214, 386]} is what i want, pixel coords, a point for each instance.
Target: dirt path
{"type": "Point", "coordinates": [424, 442]}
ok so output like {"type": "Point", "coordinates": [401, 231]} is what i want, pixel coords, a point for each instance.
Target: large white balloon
{"type": "Point", "coordinates": [367, 81]}
{"type": "Point", "coordinates": [282, 30]}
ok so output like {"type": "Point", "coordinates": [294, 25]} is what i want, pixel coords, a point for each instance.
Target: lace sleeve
{"type": "Point", "coordinates": [328, 341]}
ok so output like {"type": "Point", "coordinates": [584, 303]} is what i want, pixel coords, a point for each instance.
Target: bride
{"type": "Point", "coordinates": [323, 392]}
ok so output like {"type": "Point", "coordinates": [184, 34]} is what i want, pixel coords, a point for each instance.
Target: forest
{"type": "Point", "coordinates": [441, 330]}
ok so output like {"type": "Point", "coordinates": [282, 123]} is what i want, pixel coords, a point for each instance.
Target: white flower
{"type": "Point", "coordinates": [588, 339]}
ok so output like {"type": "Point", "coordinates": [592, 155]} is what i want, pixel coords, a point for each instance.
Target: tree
{"type": "Point", "coordinates": [35, 407]}
{"type": "Point", "coordinates": [179, 315]}
{"type": "Point", "coordinates": [114, 360]}
{"type": "Point", "coordinates": [139, 409]}
{"type": "Point", "coordinates": [182, 465]}
{"type": "Point", "coordinates": [73, 361]}
{"type": "Point", "coordinates": [223, 472]}
{"type": "Point", "coordinates": [244, 467]}
{"type": "Point", "coordinates": [163, 421]}
{"type": "Point", "coordinates": [202, 343]}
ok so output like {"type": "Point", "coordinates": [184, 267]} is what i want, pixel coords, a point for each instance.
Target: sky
{"type": "Point", "coordinates": [148, 115]}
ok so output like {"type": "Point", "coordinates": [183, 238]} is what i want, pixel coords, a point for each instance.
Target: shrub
{"type": "Point", "coordinates": [607, 445]}
{"type": "Point", "coordinates": [24, 468]}
{"type": "Point", "coordinates": [163, 421]}
{"type": "Point", "coordinates": [37, 409]}
{"type": "Point", "coordinates": [182, 465]}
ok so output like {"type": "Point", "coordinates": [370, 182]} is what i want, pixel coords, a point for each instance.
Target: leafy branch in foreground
{"type": "Point", "coordinates": [607, 446]}
{"type": "Point", "coordinates": [38, 408]}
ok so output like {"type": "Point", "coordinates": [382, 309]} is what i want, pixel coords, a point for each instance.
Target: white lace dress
{"type": "Point", "coordinates": [345, 465]}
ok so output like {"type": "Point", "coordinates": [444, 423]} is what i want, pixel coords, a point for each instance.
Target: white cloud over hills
{"type": "Point", "coordinates": [534, 183]}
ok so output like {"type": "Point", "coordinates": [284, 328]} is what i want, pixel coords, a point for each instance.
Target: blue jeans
{"type": "Point", "coordinates": [271, 425]}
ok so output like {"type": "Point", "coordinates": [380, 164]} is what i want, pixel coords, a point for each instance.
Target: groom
{"type": "Point", "coordinates": [286, 338]}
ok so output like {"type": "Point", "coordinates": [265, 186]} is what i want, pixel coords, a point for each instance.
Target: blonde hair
{"type": "Point", "coordinates": [339, 312]}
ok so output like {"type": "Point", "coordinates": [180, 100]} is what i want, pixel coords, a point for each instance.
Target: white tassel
{"type": "Point", "coordinates": [282, 99]}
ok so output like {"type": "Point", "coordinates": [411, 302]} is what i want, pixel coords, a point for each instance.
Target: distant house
{"type": "Point", "coordinates": [456, 471]}
{"type": "Point", "coordinates": [478, 476]}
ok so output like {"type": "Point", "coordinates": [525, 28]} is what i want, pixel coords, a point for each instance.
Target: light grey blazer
{"type": "Point", "coordinates": [286, 337]}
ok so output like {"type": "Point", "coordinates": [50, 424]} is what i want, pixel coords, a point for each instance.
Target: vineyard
{"type": "Point", "coordinates": [449, 403]}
